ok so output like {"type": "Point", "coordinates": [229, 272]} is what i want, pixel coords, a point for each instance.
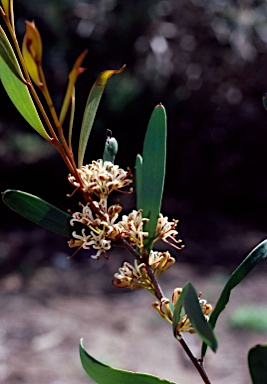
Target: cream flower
{"type": "Point", "coordinates": [160, 261]}
{"type": "Point", "coordinates": [101, 230]}
{"type": "Point", "coordinates": [165, 230]}
{"type": "Point", "coordinates": [184, 325]}
{"type": "Point", "coordinates": [101, 178]}
{"type": "Point", "coordinates": [132, 228]}
{"type": "Point", "coordinates": [132, 276]}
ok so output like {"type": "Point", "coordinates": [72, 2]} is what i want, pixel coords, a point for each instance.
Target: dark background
{"type": "Point", "coordinates": [206, 61]}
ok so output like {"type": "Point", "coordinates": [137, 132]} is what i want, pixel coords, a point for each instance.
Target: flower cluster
{"type": "Point", "coordinates": [136, 277]}
{"type": "Point", "coordinates": [99, 232]}
{"type": "Point", "coordinates": [101, 178]}
{"type": "Point", "coordinates": [100, 224]}
{"type": "Point", "coordinates": [184, 325]}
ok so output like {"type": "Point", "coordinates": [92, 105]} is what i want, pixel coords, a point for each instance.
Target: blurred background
{"type": "Point", "coordinates": [206, 61]}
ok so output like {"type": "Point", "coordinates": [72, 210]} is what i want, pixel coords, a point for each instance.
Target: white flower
{"type": "Point", "coordinates": [101, 178]}
{"type": "Point", "coordinates": [101, 230]}
{"type": "Point", "coordinates": [132, 228]}
{"type": "Point", "coordinates": [160, 261]}
{"type": "Point", "coordinates": [165, 230]}
{"type": "Point", "coordinates": [133, 277]}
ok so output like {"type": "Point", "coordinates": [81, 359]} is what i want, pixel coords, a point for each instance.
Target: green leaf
{"type": "Point", "coordinates": [73, 75]}
{"type": "Point", "coordinates": [8, 55]}
{"type": "Point", "coordinates": [178, 312]}
{"type": "Point", "coordinates": [11, 75]}
{"type": "Point", "coordinates": [153, 171]}
{"type": "Point", "coordinates": [91, 108]}
{"type": "Point", "coordinates": [38, 211]}
{"type": "Point", "coordinates": [138, 180]}
{"type": "Point", "coordinates": [103, 374]}
{"type": "Point", "coordinates": [8, 8]}
{"type": "Point", "coordinates": [255, 256]}
{"type": "Point", "coordinates": [189, 300]}
{"type": "Point", "coordinates": [257, 362]}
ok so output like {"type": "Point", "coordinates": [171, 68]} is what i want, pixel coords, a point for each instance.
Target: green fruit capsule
{"type": "Point", "coordinates": [111, 148]}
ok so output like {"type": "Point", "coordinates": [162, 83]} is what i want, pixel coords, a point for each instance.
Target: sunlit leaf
{"type": "Point", "coordinates": [10, 75]}
{"type": "Point", "coordinates": [255, 256]}
{"type": "Point", "coordinates": [8, 9]}
{"type": "Point", "coordinates": [8, 55]}
{"type": "Point", "coordinates": [138, 181]}
{"type": "Point", "coordinates": [32, 51]}
{"type": "Point", "coordinates": [257, 362]}
{"type": "Point", "coordinates": [74, 73]}
{"type": "Point", "coordinates": [153, 171]}
{"type": "Point", "coordinates": [189, 300]}
{"type": "Point", "coordinates": [72, 111]}
{"type": "Point", "coordinates": [91, 108]}
{"type": "Point", "coordinates": [39, 211]}
{"type": "Point", "coordinates": [103, 374]}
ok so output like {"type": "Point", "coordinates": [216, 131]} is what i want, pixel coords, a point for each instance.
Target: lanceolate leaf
{"type": "Point", "coordinates": [8, 55]}
{"type": "Point", "coordinates": [138, 180]}
{"type": "Point", "coordinates": [255, 256]}
{"type": "Point", "coordinates": [74, 73]}
{"type": "Point", "coordinates": [189, 300]}
{"type": "Point", "coordinates": [153, 171]}
{"type": "Point", "coordinates": [91, 108]}
{"type": "Point", "coordinates": [10, 75]}
{"type": "Point", "coordinates": [197, 319]}
{"type": "Point", "coordinates": [39, 211]}
{"type": "Point", "coordinates": [257, 362]}
{"type": "Point", "coordinates": [103, 374]}
{"type": "Point", "coordinates": [8, 8]}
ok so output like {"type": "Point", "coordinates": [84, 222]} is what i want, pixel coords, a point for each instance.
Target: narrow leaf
{"type": "Point", "coordinates": [255, 256]}
{"type": "Point", "coordinates": [138, 181]}
{"type": "Point", "coordinates": [6, 6]}
{"type": "Point", "coordinates": [38, 211]}
{"type": "Point", "coordinates": [91, 108]}
{"type": "Point", "coordinates": [178, 313]}
{"type": "Point", "coordinates": [8, 55]}
{"type": "Point", "coordinates": [10, 75]}
{"type": "Point", "coordinates": [257, 362]}
{"type": "Point", "coordinates": [153, 171]}
{"type": "Point", "coordinates": [103, 374]}
{"type": "Point", "coordinates": [74, 73]}
{"type": "Point", "coordinates": [72, 111]}
{"type": "Point", "coordinates": [190, 302]}
{"type": "Point", "coordinates": [8, 9]}
{"type": "Point", "coordinates": [197, 319]}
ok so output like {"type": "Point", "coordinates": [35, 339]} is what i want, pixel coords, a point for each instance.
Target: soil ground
{"type": "Point", "coordinates": [44, 317]}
